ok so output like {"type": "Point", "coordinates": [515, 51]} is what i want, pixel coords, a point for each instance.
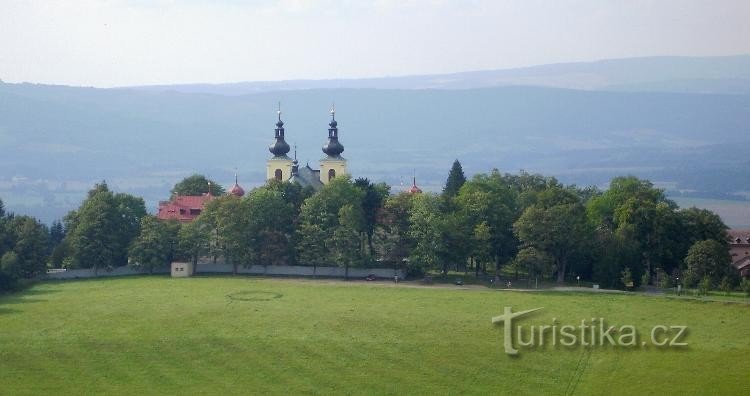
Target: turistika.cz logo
{"type": "Point", "coordinates": [592, 332]}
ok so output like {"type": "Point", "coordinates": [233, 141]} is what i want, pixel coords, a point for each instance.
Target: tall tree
{"type": "Point", "coordinates": [101, 230]}
{"type": "Point", "coordinates": [319, 218]}
{"type": "Point", "coordinates": [197, 185]}
{"type": "Point", "coordinates": [31, 240]}
{"type": "Point", "coordinates": [455, 180]}
{"type": "Point", "coordinates": [425, 231]}
{"type": "Point", "coordinates": [372, 202]}
{"type": "Point", "coordinates": [561, 231]}
{"type": "Point", "coordinates": [193, 241]}
{"type": "Point", "coordinates": [271, 220]}
{"type": "Point", "coordinates": [708, 259]}
{"type": "Point", "coordinates": [155, 245]}
{"type": "Point", "coordinates": [344, 243]}
{"type": "Point", "coordinates": [637, 211]}
{"type": "Point", "coordinates": [229, 221]}
{"type": "Point", "coordinates": [488, 198]}
{"type": "Point", "coordinates": [392, 243]}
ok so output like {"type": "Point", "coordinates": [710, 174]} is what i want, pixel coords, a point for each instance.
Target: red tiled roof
{"type": "Point", "coordinates": [184, 208]}
{"type": "Point", "coordinates": [237, 190]}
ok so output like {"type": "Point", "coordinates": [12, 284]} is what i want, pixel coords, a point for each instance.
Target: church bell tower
{"type": "Point", "coordinates": [280, 166]}
{"type": "Point", "coordinates": [333, 164]}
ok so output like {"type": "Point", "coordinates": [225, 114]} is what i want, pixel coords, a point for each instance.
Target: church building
{"type": "Point", "coordinates": [281, 167]}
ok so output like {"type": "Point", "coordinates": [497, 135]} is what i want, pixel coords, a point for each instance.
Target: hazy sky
{"type": "Point", "coordinates": [119, 42]}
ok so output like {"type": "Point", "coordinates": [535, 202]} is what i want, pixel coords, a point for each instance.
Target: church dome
{"type": "Point", "coordinates": [414, 189]}
{"type": "Point", "coordinates": [333, 148]}
{"type": "Point", "coordinates": [236, 190]}
{"type": "Point", "coordinates": [280, 147]}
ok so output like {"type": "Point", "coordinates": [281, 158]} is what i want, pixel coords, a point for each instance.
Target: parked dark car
{"type": "Point", "coordinates": [370, 277]}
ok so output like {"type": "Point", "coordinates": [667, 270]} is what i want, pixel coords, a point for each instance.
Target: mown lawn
{"type": "Point", "coordinates": [237, 335]}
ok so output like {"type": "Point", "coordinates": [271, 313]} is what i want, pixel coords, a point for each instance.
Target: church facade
{"type": "Point", "coordinates": [283, 168]}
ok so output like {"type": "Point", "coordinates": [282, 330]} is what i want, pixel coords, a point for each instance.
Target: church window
{"type": "Point", "coordinates": [277, 174]}
{"type": "Point", "coordinates": [331, 174]}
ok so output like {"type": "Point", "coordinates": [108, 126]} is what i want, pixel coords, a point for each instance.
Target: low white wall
{"type": "Point", "coordinates": [89, 273]}
{"type": "Point", "coordinates": [221, 268]}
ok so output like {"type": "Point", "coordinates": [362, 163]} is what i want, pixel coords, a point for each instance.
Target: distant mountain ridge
{"type": "Point", "coordinates": [57, 141]}
{"type": "Point", "coordinates": [721, 74]}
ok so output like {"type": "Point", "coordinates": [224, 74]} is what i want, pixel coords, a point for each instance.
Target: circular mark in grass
{"type": "Point", "coordinates": [254, 295]}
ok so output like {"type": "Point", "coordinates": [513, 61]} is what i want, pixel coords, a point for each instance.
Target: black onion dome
{"type": "Point", "coordinates": [333, 148]}
{"type": "Point", "coordinates": [280, 147]}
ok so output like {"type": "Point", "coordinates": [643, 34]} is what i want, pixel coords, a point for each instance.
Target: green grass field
{"type": "Point", "coordinates": [237, 335]}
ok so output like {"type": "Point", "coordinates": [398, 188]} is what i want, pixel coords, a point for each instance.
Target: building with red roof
{"type": "Point", "coordinates": [739, 249]}
{"type": "Point", "coordinates": [183, 208]}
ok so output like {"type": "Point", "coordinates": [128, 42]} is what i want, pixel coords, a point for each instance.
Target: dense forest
{"type": "Point", "coordinates": [523, 225]}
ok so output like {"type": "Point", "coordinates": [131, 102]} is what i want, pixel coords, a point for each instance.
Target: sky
{"type": "Point", "coordinates": [108, 43]}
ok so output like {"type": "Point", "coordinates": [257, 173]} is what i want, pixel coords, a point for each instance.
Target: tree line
{"type": "Point", "coordinates": [515, 225]}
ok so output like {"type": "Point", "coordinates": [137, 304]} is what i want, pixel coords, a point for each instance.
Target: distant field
{"type": "Point", "coordinates": [235, 335]}
{"type": "Point", "coordinates": [736, 214]}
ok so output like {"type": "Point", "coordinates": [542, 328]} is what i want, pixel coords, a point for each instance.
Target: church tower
{"type": "Point", "coordinates": [280, 166]}
{"type": "Point", "coordinates": [333, 164]}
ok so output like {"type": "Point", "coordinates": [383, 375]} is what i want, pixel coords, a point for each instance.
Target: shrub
{"type": "Point", "coordinates": [725, 285]}
{"type": "Point", "coordinates": [745, 285]}
{"type": "Point", "coordinates": [627, 278]}
{"type": "Point", "coordinates": [7, 283]}
{"type": "Point", "coordinates": [645, 279]}
{"type": "Point", "coordinates": [704, 286]}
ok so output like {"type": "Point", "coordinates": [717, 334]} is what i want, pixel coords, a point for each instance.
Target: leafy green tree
{"type": "Point", "coordinates": [271, 220]}
{"type": "Point", "coordinates": [228, 219]}
{"type": "Point", "coordinates": [197, 185]}
{"type": "Point", "coordinates": [489, 199]}
{"type": "Point", "coordinates": [561, 231]}
{"type": "Point", "coordinates": [372, 202]}
{"type": "Point", "coordinates": [637, 211]}
{"type": "Point", "coordinates": [455, 180]}
{"type": "Point", "coordinates": [293, 193]}
{"type": "Point", "coordinates": [193, 240]}
{"type": "Point", "coordinates": [534, 261]}
{"type": "Point", "coordinates": [10, 264]}
{"type": "Point", "coordinates": [31, 246]}
{"type": "Point", "coordinates": [392, 243]}
{"type": "Point", "coordinates": [319, 218]}
{"type": "Point", "coordinates": [425, 231]}
{"type": "Point", "coordinates": [612, 253]}
{"type": "Point", "coordinates": [708, 259]}
{"type": "Point", "coordinates": [481, 246]}
{"type": "Point", "coordinates": [344, 244]}
{"type": "Point", "coordinates": [155, 245]}
{"type": "Point", "coordinates": [456, 237]}
{"type": "Point", "coordinates": [56, 234]}
{"type": "Point", "coordinates": [101, 230]}
{"type": "Point", "coordinates": [701, 224]}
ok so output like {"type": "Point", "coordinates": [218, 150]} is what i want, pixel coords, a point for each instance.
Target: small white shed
{"type": "Point", "coordinates": [181, 270]}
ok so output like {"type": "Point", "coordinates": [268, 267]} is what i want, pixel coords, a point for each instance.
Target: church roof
{"type": "Point", "coordinates": [307, 176]}
{"type": "Point", "coordinates": [236, 190]}
{"type": "Point", "coordinates": [414, 189]}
